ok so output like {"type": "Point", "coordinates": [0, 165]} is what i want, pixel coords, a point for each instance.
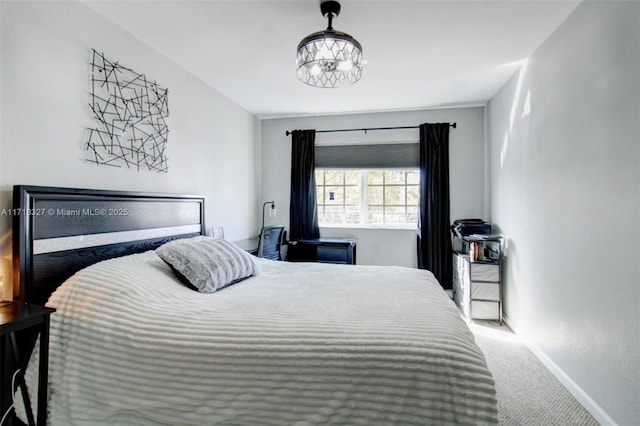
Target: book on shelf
{"type": "Point", "coordinates": [482, 251]}
{"type": "Point", "coordinates": [476, 251]}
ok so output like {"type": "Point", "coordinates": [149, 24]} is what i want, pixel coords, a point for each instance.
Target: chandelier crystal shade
{"type": "Point", "coordinates": [329, 58]}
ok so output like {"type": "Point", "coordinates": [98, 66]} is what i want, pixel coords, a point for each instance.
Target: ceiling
{"type": "Point", "coordinates": [419, 54]}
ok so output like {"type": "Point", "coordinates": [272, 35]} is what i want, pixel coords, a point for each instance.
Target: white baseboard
{"type": "Point", "coordinates": [578, 393]}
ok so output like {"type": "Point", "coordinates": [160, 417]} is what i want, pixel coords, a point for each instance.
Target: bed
{"type": "Point", "coordinates": [292, 344]}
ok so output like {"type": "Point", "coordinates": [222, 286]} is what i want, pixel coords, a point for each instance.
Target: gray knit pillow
{"type": "Point", "coordinates": [206, 264]}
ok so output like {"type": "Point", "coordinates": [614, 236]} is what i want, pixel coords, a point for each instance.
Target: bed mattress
{"type": "Point", "coordinates": [297, 344]}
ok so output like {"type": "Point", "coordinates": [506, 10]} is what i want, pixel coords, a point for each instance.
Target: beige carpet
{"type": "Point", "coordinates": [528, 394]}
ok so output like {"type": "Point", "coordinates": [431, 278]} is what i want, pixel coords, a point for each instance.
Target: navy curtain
{"type": "Point", "coordinates": [434, 239]}
{"type": "Point", "coordinates": [303, 210]}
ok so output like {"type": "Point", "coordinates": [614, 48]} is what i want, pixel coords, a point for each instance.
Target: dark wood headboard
{"type": "Point", "coordinates": [58, 231]}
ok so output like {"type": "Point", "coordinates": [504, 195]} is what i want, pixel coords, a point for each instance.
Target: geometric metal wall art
{"type": "Point", "coordinates": [130, 112]}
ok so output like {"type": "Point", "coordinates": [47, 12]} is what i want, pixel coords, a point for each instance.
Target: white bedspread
{"type": "Point", "coordinates": [299, 344]}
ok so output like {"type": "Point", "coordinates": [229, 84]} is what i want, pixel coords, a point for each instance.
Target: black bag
{"type": "Point", "coordinates": [463, 227]}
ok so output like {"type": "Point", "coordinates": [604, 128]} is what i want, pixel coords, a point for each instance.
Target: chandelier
{"type": "Point", "coordinates": [329, 58]}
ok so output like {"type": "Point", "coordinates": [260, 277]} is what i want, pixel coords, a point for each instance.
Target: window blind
{"type": "Point", "coordinates": [374, 156]}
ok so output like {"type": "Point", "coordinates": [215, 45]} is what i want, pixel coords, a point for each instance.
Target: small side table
{"type": "Point", "coordinates": [24, 322]}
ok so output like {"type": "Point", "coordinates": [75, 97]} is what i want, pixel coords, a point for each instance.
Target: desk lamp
{"type": "Point", "coordinates": [272, 213]}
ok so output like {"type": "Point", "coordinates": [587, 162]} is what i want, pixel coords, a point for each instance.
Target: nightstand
{"type": "Point", "coordinates": [20, 326]}
{"type": "Point", "coordinates": [477, 287]}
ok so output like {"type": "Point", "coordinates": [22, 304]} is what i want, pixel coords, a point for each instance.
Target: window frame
{"type": "Point", "coordinates": [364, 198]}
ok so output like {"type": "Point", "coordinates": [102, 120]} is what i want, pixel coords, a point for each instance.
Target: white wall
{"type": "Point", "coordinates": [381, 247]}
{"type": "Point", "coordinates": [45, 94]}
{"type": "Point", "coordinates": [565, 189]}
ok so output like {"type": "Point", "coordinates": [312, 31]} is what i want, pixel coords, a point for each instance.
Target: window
{"type": "Point", "coordinates": [367, 197]}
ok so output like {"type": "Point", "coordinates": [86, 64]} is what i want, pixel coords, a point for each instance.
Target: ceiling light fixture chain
{"type": "Point", "coordinates": [329, 58]}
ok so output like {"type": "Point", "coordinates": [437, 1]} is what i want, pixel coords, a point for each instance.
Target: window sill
{"type": "Point", "coordinates": [373, 227]}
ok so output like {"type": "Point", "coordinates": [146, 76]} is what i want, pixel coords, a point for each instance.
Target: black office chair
{"type": "Point", "coordinates": [271, 242]}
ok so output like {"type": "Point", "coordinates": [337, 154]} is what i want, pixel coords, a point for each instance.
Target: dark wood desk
{"type": "Point", "coordinates": [20, 325]}
{"type": "Point", "coordinates": [325, 250]}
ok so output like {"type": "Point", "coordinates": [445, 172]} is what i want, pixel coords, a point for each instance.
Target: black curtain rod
{"type": "Point", "coordinates": [288, 132]}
